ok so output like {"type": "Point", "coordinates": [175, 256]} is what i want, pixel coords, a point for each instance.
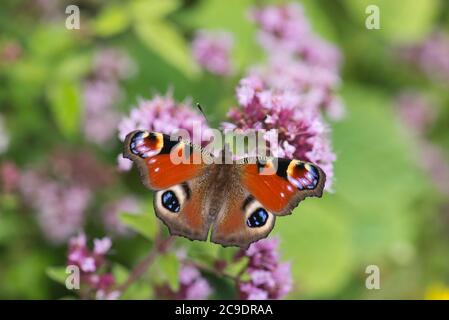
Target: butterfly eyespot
{"type": "Point", "coordinates": [303, 175]}
{"type": "Point", "coordinates": [170, 201]}
{"type": "Point", "coordinates": [258, 218]}
{"type": "Point", "coordinates": [146, 144]}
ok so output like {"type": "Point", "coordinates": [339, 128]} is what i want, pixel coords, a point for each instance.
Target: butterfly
{"type": "Point", "coordinates": [236, 203]}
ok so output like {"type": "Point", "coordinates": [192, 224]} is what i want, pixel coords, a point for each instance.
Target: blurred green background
{"type": "Point", "coordinates": [385, 210]}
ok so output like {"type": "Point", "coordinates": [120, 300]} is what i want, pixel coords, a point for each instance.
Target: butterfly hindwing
{"type": "Point", "coordinates": [241, 220]}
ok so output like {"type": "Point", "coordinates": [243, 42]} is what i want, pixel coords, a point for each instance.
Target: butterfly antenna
{"type": "Point", "coordinates": [202, 112]}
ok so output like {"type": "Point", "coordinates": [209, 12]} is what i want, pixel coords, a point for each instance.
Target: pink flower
{"type": "Point", "coordinates": [123, 164]}
{"type": "Point", "coordinates": [112, 63]}
{"type": "Point", "coordinates": [100, 118]}
{"type": "Point", "coordinates": [212, 51]}
{"type": "Point", "coordinates": [9, 177]}
{"type": "Point", "coordinates": [161, 114]}
{"type": "Point", "coordinates": [92, 265]}
{"type": "Point", "coordinates": [102, 92]}
{"type": "Point", "coordinates": [198, 290]}
{"type": "Point", "coordinates": [60, 208]}
{"type": "Point", "coordinates": [431, 56]}
{"type": "Point", "coordinates": [416, 111]}
{"type": "Point", "coordinates": [102, 295]}
{"type": "Point", "coordinates": [60, 191]}
{"type": "Point", "coordinates": [269, 279]}
{"type": "Point", "coordinates": [188, 274]}
{"type": "Point", "coordinates": [88, 264]}
{"type": "Point", "coordinates": [192, 285]}
{"type": "Point", "coordinates": [298, 59]}
{"type": "Point", "coordinates": [101, 246]}
{"type": "Point", "coordinates": [435, 162]}
{"type": "Point", "coordinates": [298, 127]}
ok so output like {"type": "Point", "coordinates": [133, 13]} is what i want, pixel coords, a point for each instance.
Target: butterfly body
{"type": "Point", "coordinates": [235, 203]}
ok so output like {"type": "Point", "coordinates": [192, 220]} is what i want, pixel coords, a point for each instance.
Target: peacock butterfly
{"type": "Point", "coordinates": [237, 202]}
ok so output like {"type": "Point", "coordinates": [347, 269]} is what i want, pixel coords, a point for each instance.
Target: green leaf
{"type": "Point", "coordinates": [120, 273]}
{"type": "Point", "coordinates": [169, 265]}
{"type": "Point", "coordinates": [201, 250]}
{"type": "Point", "coordinates": [146, 10]}
{"type": "Point", "coordinates": [73, 67]}
{"type": "Point", "coordinates": [317, 241]}
{"type": "Point", "coordinates": [401, 20]}
{"type": "Point", "coordinates": [376, 174]}
{"type": "Point", "coordinates": [166, 41]}
{"type": "Point", "coordinates": [234, 268]}
{"type": "Point", "coordinates": [57, 274]}
{"type": "Point", "coordinates": [64, 98]}
{"type": "Point", "coordinates": [144, 224]}
{"type": "Point", "coordinates": [112, 20]}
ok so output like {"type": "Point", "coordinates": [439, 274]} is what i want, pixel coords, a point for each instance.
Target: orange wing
{"type": "Point", "coordinates": [287, 185]}
{"type": "Point", "coordinates": [153, 152]}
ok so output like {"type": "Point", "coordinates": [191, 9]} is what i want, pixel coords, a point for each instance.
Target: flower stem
{"type": "Point", "coordinates": [160, 245]}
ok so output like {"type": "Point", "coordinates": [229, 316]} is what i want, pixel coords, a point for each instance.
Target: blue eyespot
{"type": "Point", "coordinates": [170, 201]}
{"type": "Point", "coordinates": [258, 218]}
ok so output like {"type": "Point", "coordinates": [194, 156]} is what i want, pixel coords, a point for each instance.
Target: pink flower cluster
{"type": "Point", "coordinates": [192, 285]}
{"type": "Point", "coordinates": [161, 114]}
{"type": "Point", "coordinates": [418, 114]}
{"type": "Point", "coordinates": [101, 93]}
{"type": "Point", "coordinates": [212, 51]}
{"type": "Point", "coordinates": [286, 95]}
{"type": "Point", "coordinates": [60, 207]}
{"type": "Point", "coordinates": [269, 279]}
{"type": "Point", "coordinates": [9, 177]}
{"type": "Point", "coordinates": [60, 191]}
{"type": "Point", "coordinates": [300, 129]}
{"type": "Point", "coordinates": [416, 111]}
{"type": "Point", "coordinates": [91, 264]}
{"type": "Point", "coordinates": [431, 56]}
{"type": "Point", "coordinates": [298, 59]}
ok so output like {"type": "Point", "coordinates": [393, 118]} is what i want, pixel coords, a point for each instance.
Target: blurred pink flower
{"type": "Point", "coordinates": [435, 161]}
{"type": "Point", "coordinates": [431, 56]}
{"type": "Point", "coordinates": [111, 211]}
{"type": "Point", "coordinates": [192, 285]}
{"type": "Point", "coordinates": [102, 93]}
{"type": "Point", "coordinates": [212, 51]}
{"type": "Point", "coordinates": [418, 114]}
{"type": "Point", "coordinates": [416, 111]}
{"type": "Point", "coordinates": [269, 279]}
{"type": "Point", "coordinates": [100, 118]}
{"type": "Point", "coordinates": [123, 164]}
{"type": "Point", "coordinates": [60, 208]}
{"type": "Point", "coordinates": [10, 52]}
{"type": "Point", "coordinates": [9, 177]}
{"type": "Point", "coordinates": [298, 60]}
{"type": "Point", "coordinates": [59, 191]}
{"type": "Point", "coordinates": [113, 64]}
